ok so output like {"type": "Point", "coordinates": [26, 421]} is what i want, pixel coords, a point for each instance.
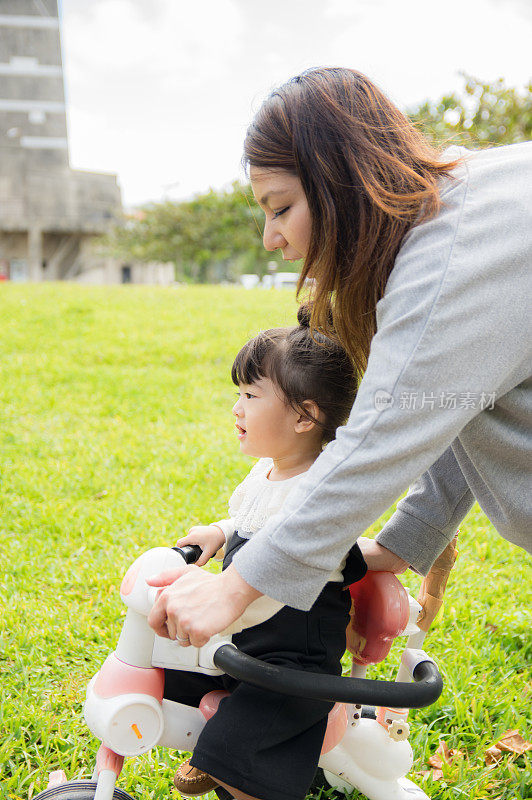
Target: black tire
{"type": "Point", "coordinates": [78, 790]}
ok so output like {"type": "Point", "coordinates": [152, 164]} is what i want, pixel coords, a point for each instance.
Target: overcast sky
{"type": "Point", "coordinates": [161, 91]}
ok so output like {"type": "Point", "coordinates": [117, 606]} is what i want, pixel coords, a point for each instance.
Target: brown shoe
{"type": "Point", "coordinates": [192, 782]}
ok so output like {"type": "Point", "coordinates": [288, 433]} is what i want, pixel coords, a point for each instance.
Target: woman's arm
{"type": "Point", "coordinates": [451, 330]}
{"type": "Point", "coordinates": [427, 518]}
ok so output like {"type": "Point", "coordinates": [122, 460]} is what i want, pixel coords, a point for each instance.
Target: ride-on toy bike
{"type": "Point", "coordinates": [366, 743]}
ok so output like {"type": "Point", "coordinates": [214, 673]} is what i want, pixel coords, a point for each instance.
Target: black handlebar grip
{"type": "Point", "coordinates": [190, 552]}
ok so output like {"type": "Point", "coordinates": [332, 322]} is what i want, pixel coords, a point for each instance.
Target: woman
{"type": "Point", "coordinates": [425, 258]}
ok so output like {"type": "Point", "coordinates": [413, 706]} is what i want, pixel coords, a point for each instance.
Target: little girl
{"type": "Point", "coordinates": [294, 391]}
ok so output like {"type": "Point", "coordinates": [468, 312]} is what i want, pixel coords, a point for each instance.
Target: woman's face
{"type": "Point", "coordinates": [287, 222]}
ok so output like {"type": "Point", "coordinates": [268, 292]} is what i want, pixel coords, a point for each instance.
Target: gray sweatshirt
{"type": "Point", "coordinates": [446, 400]}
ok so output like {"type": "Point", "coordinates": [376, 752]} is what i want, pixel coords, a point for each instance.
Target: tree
{"type": "Point", "coordinates": [213, 237]}
{"type": "Point", "coordinates": [485, 114]}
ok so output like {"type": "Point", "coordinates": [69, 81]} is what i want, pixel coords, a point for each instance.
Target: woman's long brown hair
{"type": "Point", "coordinates": [368, 176]}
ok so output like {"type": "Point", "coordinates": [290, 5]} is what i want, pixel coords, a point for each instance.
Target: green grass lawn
{"type": "Point", "coordinates": [117, 436]}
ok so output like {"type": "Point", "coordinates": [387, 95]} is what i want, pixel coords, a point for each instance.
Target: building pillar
{"type": "Point", "coordinates": [35, 254]}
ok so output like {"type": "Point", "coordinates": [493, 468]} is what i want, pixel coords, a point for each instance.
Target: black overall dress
{"type": "Point", "coordinates": [263, 743]}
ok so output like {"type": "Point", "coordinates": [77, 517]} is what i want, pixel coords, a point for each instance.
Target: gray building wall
{"type": "Point", "coordinates": [47, 210]}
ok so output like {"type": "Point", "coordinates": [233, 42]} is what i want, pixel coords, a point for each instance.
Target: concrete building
{"type": "Point", "coordinates": [49, 213]}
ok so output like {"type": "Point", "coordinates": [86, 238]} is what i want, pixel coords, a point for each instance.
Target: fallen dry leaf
{"type": "Point", "coordinates": [448, 755]}
{"type": "Point", "coordinates": [510, 742]}
{"type": "Point", "coordinates": [513, 742]}
{"type": "Point", "coordinates": [436, 774]}
{"type": "Point", "coordinates": [436, 760]}
{"type": "Point", "coordinates": [492, 756]}
{"type": "Point", "coordinates": [442, 755]}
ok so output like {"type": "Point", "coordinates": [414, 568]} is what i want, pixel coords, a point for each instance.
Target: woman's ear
{"type": "Point", "coordinates": [310, 411]}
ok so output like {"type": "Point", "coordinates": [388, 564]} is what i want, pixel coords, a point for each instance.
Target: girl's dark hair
{"type": "Point", "coordinates": [368, 175]}
{"type": "Point", "coordinates": [303, 366]}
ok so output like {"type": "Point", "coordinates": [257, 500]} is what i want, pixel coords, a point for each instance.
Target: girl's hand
{"type": "Point", "coordinates": [379, 558]}
{"type": "Point", "coordinates": [209, 537]}
{"type": "Point", "coordinates": [195, 604]}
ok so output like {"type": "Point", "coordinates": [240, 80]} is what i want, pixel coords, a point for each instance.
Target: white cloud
{"type": "Point", "coordinates": [415, 49]}
{"type": "Point", "coordinates": [161, 91]}
{"type": "Point", "coordinates": [144, 89]}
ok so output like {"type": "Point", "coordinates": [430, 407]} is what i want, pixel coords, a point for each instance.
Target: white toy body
{"type": "Point", "coordinates": [126, 711]}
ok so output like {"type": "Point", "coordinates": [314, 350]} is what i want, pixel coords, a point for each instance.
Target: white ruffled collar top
{"type": "Point", "coordinates": [257, 498]}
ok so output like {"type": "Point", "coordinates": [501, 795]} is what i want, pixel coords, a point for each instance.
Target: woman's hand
{"type": "Point", "coordinates": [379, 558]}
{"type": "Point", "coordinates": [209, 537]}
{"type": "Point", "coordinates": [196, 604]}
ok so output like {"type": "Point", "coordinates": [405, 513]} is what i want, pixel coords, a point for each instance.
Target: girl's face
{"type": "Point", "coordinates": [287, 224]}
{"type": "Point", "coordinates": [265, 425]}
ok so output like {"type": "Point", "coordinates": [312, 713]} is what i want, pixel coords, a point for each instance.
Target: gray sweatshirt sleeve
{"type": "Point", "coordinates": [439, 331]}
{"type": "Point", "coordinates": [427, 518]}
